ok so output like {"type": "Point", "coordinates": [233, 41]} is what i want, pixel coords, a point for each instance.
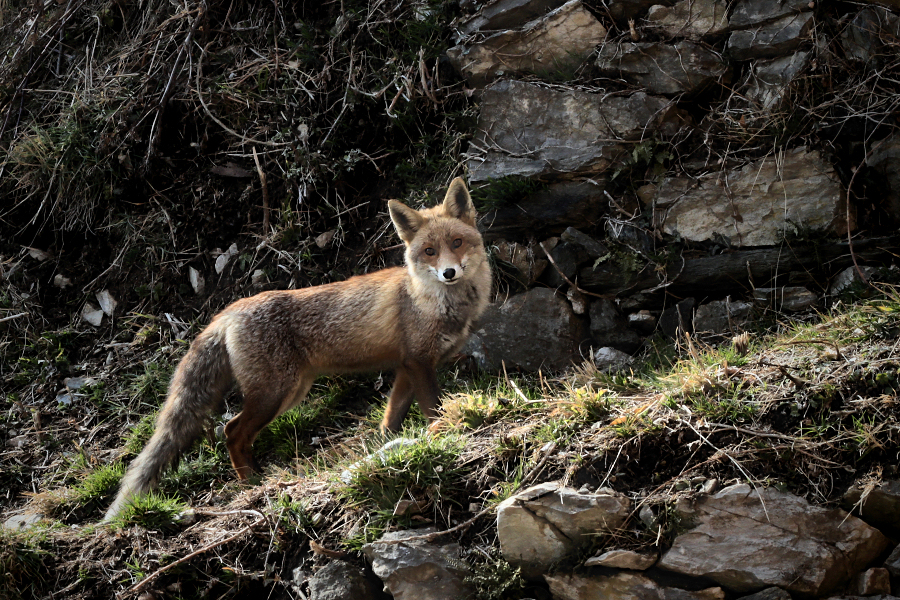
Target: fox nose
{"type": "Point", "coordinates": [449, 274]}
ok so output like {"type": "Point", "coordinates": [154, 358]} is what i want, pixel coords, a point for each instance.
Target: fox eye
{"type": "Point", "coordinates": [457, 243]}
{"type": "Point", "coordinates": [429, 251]}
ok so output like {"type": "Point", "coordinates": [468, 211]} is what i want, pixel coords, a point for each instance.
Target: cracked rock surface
{"type": "Point", "coordinates": [546, 522]}
{"type": "Point", "coordinates": [746, 539]}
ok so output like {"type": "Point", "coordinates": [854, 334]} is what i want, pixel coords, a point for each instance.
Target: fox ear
{"type": "Point", "coordinates": [406, 220]}
{"type": "Point", "coordinates": [458, 202]}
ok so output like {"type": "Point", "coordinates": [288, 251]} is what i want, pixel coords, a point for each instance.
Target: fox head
{"type": "Point", "coordinates": [442, 242]}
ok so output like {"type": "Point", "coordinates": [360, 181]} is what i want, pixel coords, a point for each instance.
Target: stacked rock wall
{"type": "Point", "coordinates": [695, 153]}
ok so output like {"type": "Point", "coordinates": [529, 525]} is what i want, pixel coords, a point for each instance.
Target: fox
{"type": "Point", "coordinates": [273, 345]}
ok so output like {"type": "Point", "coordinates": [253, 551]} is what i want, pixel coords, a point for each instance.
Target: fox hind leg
{"type": "Point", "coordinates": [261, 407]}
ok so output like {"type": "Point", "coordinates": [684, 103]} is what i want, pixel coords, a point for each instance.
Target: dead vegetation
{"type": "Point", "coordinates": [142, 139]}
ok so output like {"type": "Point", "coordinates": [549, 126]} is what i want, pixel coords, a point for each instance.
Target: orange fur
{"type": "Point", "coordinates": [274, 345]}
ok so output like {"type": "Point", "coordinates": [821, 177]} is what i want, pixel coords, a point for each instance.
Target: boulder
{"type": "Point", "coordinates": [418, 570]}
{"type": "Point", "coordinates": [623, 559]}
{"type": "Point", "coordinates": [566, 259]}
{"type": "Point", "coordinates": [633, 586]}
{"type": "Point", "coordinates": [772, 593]}
{"type": "Point", "coordinates": [748, 13]}
{"type": "Point", "coordinates": [788, 299]}
{"type": "Point", "coordinates": [528, 130]}
{"type": "Point", "coordinates": [547, 211]}
{"type": "Point", "coordinates": [885, 160]}
{"type": "Point", "coordinates": [772, 39]}
{"type": "Point", "coordinates": [543, 524]}
{"type": "Point", "coordinates": [507, 14]}
{"type": "Point", "coordinates": [338, 581]}
{"type": "Point", "coordinates": [610, 360]}
{"type": "Point", "coordinates": [678, 318]}
{"type": "Point", "coordinates": [529, 331]}
{"type": "Point", "coordinates": [721, 316]}
{"type": "Point", "coordinates": [690, 18]}
{"type": "Point", "coordinates": [683, 67]}
{"type": "Point", "coordinates": [872, 582]}
{"type": "Point", "coordinates": [746, 539]}
{"type": "Point", "coordinates": [527, 262]}
{"type": "Point", "coordinates": [749, 207]}
{"type": "Point", "coordinates": [866, 35]}
{"type": "Point", "coordinates": [770, 80]}
{"type": "Point", "coordinates": [892, 564]}
{"type": "Point", "coordinates": [623, 10]}
{"type": "Point", "coordinates": [557, 41]}
{"type": "Point", "coordinates": [609, 327]}
{"type": "Point", "coordinates": [880, 507]}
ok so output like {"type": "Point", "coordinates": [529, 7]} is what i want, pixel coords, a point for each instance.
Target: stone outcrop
{"type": "Point", "coordinates": [418, 570]}
{"type": "Point", "coordinates": [533, 330]}
{"type": "Point", "coordinates": [690, 18]}
{"type": "Point", "coordinates": [683, 67]}
{"type": "Point", "coordinates": [527, 130]}
{"type": "Point", "coordinates": [772, 39]}
{"type": "Point", "coordinates": [750, 206]}
{"type": "Point", "coordinates": [543, 524]}
{"type": "Point", "coordinates": [746, 539]}
{"type": "Point", "coordinates": [622, 585]}
{"type": "Point", "coordinates": [559, 40]}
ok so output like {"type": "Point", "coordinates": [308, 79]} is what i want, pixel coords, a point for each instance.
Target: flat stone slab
{"type": "Point", "coordinates": [690, 18]}
{"type": "Point", "coordinates": [528, 130]}
{"type": "Point", "coordinates": [770, 40]}
{"type": "Point", "coordinates": [559, 40]}
{"type": "Point", "coordinates": [684, 67]}
{"type": "Point", "coordinates": [757, 205]}
{"type": "Point", "coordinates": [745, 539]}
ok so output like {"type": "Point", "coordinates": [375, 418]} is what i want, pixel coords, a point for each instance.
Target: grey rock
{"type": "Point", "coordinates": [610, 360]}
{"type": "Point", "coordinates": [880, 507]}
{"type": "Point", "coordinates": [772, 593]}
{"type": "Point", "coordinates": [771, 79]}
{"type": "Point", "coordinates": [683, 67]}
{"type": "Point", "coordinates": [892, 564]}
{"type": "Point", "coordinates": [533, 330]}
{"type": "Point", "coordinates": [609, 327]}
{"type": "Point", "coordinates": [592, 247]}
{"type": "Point", "coordinates": [632, 586]}
{"type": "Point", "coordinates": [341, 581]}
{"type": "Point", "coordinates": [528, 262]}
{"type": "Point", "coordinates": [866, 35]}
{"type": "Point", "coordinates": [507, 14]}
{"type": "Point", "coordinates": [846, 278]}
{"type": "Point", "coordinates": [773, 39]}
{"type": "Point", "coordinates": [22, 521]}
{"type": "Point", "coordinates": [566, 259]}
{"type": "Point", "coordinates": [788, 299]}
{"type": "Point", "coordinates": [872, 582]}
{"type": "Point", "coordinates": [690, 18]}
{"type": "Point", "coordinates": [622, 10]}
{"type": "Point", "coordinates": [721, 316]}
{"type": "Point", "coordinates": [623, 559]}
{"type": "Point", "coordinates": [678, 318]}
{"type": "Point", "coordinates": [544, 523]}
{"type": "Point", "coordinates": [547, 211]}
{"type": "Point", "coordinates": [643, 322]}
{"type": "Point", "coordinates": [745, 539]}
{"type": "Point", "coordinates": [528, 130]}
{"type": "Point", "coordinates": [418, 570]}
{"type": "Point", "coordinates": [561, 39]}
{"type": "Point", "coordinates": [885, 160]}
{"type": "Point", "coordinates": [626, 233]}
{"type": "Point", "coordinates": [748, 207]}
{"type": "Point", "coordinates": [747, 13]}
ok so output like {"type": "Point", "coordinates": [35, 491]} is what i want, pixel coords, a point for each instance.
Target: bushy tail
{"type": "Point", "coordinates": [201, 379]}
